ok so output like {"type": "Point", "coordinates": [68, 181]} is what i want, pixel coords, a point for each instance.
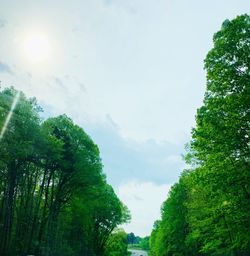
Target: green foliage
{"type": "Point", "coordinates": [117, 244]}
{"type": "Point", "coordinates": [208, 211]}
{"type": "Point", "coordinates": [132, 239]}
{"type": "Point", "coordinates": [144, 243]}
{"type": "Point", "coordinates": [54, 199]}
{"type": "Point", "coordinates": [137, 242]}
{"type": "Point", "coordinates": [169, 234]}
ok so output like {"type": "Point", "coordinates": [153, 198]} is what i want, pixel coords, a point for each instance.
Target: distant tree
{"type": "Point", "coordinates": [131, 238]}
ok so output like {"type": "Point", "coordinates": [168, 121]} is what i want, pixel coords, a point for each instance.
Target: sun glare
{"type": "Point", "coordinates": [36, 47]}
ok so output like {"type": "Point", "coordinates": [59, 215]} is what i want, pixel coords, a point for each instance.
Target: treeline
{"type": "Point", "coordinates": [54, 198]}
{"type": "Point", "coordinates": [138, 242]}
{"type": "Point", "coordinates": [208, 211]}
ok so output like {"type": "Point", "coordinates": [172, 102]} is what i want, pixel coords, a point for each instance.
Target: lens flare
{"type": "Point", "coordinates": [13, 106]}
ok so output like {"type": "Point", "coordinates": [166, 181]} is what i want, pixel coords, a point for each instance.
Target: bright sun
{"type": "Point", "coordinates": [36, 47]}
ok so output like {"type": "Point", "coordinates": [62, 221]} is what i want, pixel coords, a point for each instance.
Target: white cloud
{"type": "Point", "coordinates": [144, 200]}
{"type": "Point", "coordinates": [126, 159]}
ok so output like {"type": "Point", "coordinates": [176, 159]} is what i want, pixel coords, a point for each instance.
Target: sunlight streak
{"type": "Point", "coordinates": [13, 106]}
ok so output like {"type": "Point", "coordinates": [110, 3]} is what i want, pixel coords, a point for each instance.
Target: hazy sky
{"type": "Point", "coordinates": [130, 72]}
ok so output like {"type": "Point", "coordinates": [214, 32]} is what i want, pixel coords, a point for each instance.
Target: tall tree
{"type": "Point", "coordinates": [216, 202]}
{"type": "Point", "coordinates": [220, 141]}
{"type": "Point", "coordinates": [52, 185]}
{"type": "Point", "coordinates": [17, 153]}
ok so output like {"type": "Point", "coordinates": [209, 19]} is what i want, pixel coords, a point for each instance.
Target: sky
{"type": "Point", "coordinates": [130, 72]}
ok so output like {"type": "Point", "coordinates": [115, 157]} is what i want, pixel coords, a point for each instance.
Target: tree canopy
{"type": "Point", "coordinates": [208, 210]}
{"type": "Point", "coordinates": [54, 198]}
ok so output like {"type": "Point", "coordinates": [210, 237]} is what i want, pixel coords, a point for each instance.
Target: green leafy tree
{"type": "Point", "coordinates": [54, 198]}
{"type": "Point", "coordinates": [220, 141]}
{"type": "Point", "coordinates": [169, 235]}
{"type": "Point", "coordinates": [17, 153]}
{"type": "Point", "coordinates": [117, 244]}
{"type": "Point", "coordinates": [144, 243]}
{"type": "Point", "coordinates": [211, 201]}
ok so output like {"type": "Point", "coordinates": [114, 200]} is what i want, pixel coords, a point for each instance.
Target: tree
{"type": "Point", "coordinates": [131, 238]}
{"type": "Point", "coordinates": [54, 198]}
{"type": "Point", "coordinates": [144, 243]}
{"type": "Point", "coordinates": [220, 141]}
{"type": "Point", "coordinates": [117, 244]}
{"type": "Point", "coordinates": [169, 235]}
{"type": "Point", "coordinates": [110, 213]}
{"type": "Point", "coordinates": [16, 151]}
{"type": "Point", "coordinates": [208, 210]}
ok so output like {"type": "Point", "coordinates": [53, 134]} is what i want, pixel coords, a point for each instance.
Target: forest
{"type": "Point", "coordinates": [207, 211]}
{"type": "Point", "coordinates": [54, 198]}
